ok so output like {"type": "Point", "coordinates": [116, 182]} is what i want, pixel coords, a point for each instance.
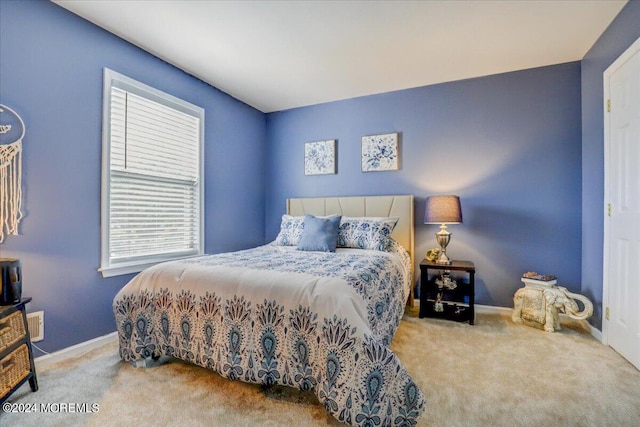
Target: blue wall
{"type": "Point", "coordinates": [621, 34]}
{"type": "Point", "coordinates": [51, 73]}
{"type": "Point", "coordinates": [508, 145]}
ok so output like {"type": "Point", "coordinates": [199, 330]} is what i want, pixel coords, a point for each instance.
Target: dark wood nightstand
{"type": "Point", "coordinates": [445, 292]}
{"type": "Point", "coordinates": [16, 354]}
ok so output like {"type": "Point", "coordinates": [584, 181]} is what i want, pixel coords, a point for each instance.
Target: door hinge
{"type": "Point", "coordinates": [608, 105]}
{"type": "Point", "coordinates": [606, 313]}
{"type": "Point", "coordinates": [608, 209]}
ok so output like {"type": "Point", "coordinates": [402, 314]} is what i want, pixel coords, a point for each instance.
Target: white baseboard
{"type": "Point", "coordinates": [491, 309]}
{"type": "Point", "coordinates": [74, 351]}
{"type": "Point", "coordinates": [595, 332]}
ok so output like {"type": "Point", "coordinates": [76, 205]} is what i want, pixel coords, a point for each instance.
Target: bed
{"type": "Point", "coordinates": [289, 314]}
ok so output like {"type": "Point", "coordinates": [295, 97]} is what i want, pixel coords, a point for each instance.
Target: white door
{"type": "Point", "coordinates": [621, 326]}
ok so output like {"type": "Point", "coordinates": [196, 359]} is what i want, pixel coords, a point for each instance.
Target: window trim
{"type": "Point", "coordinates": [114, 79]}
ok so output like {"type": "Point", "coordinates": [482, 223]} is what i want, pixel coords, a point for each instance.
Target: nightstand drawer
{"type": "Point", "coordinates": [14, 368]}
{"type": "Point", "coordinates": [11, 330]}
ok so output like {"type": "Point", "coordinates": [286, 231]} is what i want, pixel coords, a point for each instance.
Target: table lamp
{"type": "Point", "coordinates": [443, 210]}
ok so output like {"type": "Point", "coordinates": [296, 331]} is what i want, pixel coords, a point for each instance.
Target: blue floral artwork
{"type": "Point", "coordinates": [380, 152]}
{"type": "Point", "coordinates": [320, 157]}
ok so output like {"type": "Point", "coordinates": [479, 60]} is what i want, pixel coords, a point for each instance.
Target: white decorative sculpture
{"type": "Point", "coordinates": [539, 302]}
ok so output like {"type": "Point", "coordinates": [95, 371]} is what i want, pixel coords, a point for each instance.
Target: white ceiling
{"type": "Point", "coordinates": [276, 55]}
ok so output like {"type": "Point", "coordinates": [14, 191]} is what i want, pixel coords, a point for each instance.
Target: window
{"type": "Point", "coordinates": [151, 176]}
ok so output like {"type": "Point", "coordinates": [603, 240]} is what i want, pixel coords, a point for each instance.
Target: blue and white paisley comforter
{"type": "Point", "coordinates": [274, 315]}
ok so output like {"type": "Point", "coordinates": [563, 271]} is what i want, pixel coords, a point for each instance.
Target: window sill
{"type": "Point", "coordinates": [123, 269]}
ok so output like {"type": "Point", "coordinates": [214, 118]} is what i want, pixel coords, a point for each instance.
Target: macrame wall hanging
{"type": "Point", "coordinates": [10, 171]}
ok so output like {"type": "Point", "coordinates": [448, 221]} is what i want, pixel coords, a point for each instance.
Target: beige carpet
{"type": "Point", "coordinates": [492, 374]}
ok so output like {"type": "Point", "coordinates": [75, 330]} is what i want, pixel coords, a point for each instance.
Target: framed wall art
{"type": "Point", "coordinates": [380, 152]}
{"type": "Point", "coordinates": [320, 157]}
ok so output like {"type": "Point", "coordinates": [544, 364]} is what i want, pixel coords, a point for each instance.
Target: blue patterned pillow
{"type": "Point", "coordinates": [290, 230]}
{"type": "Point", "coordinates": [366, 232]}
{"type": "Point", "coordinates": [319, 234]}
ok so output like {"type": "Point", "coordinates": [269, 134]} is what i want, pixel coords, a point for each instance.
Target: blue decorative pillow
{"type": "Point", "coordinates": [290, 230]}
{"type": "Point", "coordinates": [366, 232]}
{"type": "Point", "coordinates": [319, 234]}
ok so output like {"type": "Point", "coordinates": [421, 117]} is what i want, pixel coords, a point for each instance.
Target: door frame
{"type": "Point", "coordinates": [621, 60]}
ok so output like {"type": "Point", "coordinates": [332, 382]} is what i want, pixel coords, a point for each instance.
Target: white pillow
{"type": "Point", "coordinates": [290, 230]}
{"type": "Point", "coordinates": [366, 232]}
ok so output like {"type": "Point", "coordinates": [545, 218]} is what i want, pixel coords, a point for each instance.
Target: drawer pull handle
{"type": "Point", "coordinates": [6, 363]}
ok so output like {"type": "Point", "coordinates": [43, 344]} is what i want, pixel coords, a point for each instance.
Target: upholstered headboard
{"type": "Point", "coordinates": [400, 206]}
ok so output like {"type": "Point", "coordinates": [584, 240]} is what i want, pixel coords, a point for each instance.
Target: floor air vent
{"type": "Point", "coordinates": [35, 322]}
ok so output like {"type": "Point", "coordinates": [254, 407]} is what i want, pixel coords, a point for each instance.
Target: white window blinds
{"type": "Point", "coordinates": [153, 181]}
